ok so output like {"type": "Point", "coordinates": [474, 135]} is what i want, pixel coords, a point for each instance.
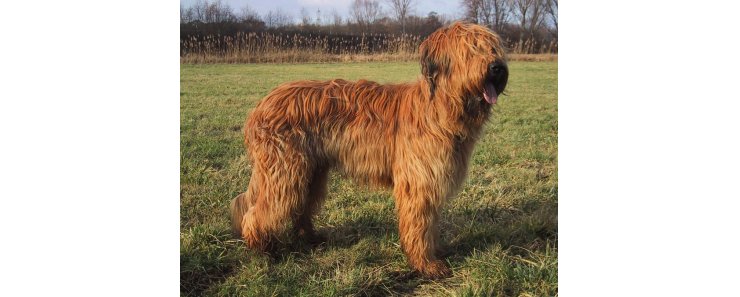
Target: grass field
{"type": "Point", "coordinates": [501, 230]}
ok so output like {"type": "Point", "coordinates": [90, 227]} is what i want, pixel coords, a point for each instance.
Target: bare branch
{"type": "Point", "coordinates": [365, 12]}
{"type": "Point", "coordinates": [401, 9]}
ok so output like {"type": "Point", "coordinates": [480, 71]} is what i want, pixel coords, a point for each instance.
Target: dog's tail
{"type": "Point", "coordinates": [239, 207]}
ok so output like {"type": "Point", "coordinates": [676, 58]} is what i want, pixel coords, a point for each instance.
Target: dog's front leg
{"type": "Point", "coordinates": [418, 219]}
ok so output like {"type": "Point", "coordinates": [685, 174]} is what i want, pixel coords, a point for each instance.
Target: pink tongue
{"type": "Point", "coordinates": [490, 94]}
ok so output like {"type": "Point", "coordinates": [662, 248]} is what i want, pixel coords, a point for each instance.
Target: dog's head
{"type": "Point", "coordinates": [464, 61]}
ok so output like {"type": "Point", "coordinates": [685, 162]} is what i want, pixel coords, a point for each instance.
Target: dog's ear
{"type": "Point", "coordinates": [432, 65]}
{"type": "Point", "coordinates": [430, 70]}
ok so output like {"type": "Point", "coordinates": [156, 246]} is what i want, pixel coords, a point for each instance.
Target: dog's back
{"type": "Point", "coordinates": [343, 124]}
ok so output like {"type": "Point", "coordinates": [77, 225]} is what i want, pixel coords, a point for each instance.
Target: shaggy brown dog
{"type": "Point", "coordinates": [415, 137]}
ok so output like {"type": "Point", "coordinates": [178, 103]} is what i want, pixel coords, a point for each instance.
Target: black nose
{"type": "Point", "coordinates": [493, 68]}
{"type": "Point", "coordinates": [497, 68]}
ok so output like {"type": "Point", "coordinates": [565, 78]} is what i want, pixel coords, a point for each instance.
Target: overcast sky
{"type": "Point", "coordinates": [449, 8]}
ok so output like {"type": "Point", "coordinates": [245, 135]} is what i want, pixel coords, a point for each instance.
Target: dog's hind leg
{"type": "Point", "coordinates": [302, 223]}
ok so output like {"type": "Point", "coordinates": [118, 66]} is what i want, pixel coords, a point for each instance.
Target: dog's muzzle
{"type": "Point", "coordinates": [496, 79]}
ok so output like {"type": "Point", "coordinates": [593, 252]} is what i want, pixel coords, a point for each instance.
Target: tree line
{"type": "Point", "coordinates": [526, 26]}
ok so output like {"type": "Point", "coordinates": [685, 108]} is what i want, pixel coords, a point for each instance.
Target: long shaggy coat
{"type": "Point", "coordinates": [414, 137]}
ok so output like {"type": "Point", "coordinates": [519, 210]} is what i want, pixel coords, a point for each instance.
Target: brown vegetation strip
{"type": "Point", "coordinates": [313, 57]}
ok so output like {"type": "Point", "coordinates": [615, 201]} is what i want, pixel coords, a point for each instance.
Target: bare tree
{"type": "Point", "coordinates": [471, 8]}
{"type": "Point", "coordinates": [552, 10]}
{"type": "Point", "coordinates": [492, 13]}
{"type": "Point", "coordinates": [305, 18]}
{"type": "Point", "coordinates": [521, 9]}
{"type": "Point", "coordinates": [189, 15]}
{"type": "Point", "coordinates": [365, 12]}
{"type": "Point", "coordinates": [318, 17]}
{"type": "Point", "coordinates": [531, 14]}
{"type": "Point", "coordinates": [217, 12]}
{"type": "Point", "coordinates": [199, 10]}
{"type": "Point", "coordinates": [247, 14]}
{"type": "Point", "coordinates": [207, 12]}
{"type": "Point", "coordinates": [401, 9]}
{"type": "Point", "coordinates": [537, 16]}
{"type": "Point", "coordinates": [485, 12]}
{"type": "Point", "coordinates": [326, 18]}
{"type": "Point", "coordinates": [277, 18]}
{"type": "Point", "coordinates": [336, 18]}
{"type": "Point", "coordinates": [502, 11]}
{"type": "Point", "coordinates": [355, 12]}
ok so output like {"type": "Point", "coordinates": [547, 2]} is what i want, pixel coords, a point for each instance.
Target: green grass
{"type": "Point", "coordinates": [500, 231]}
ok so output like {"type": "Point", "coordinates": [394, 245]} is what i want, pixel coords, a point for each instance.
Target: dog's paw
{"type": "Point", "coordinates": [313, 238]}
{"type": "Point", "coordinates": [435, 270]}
